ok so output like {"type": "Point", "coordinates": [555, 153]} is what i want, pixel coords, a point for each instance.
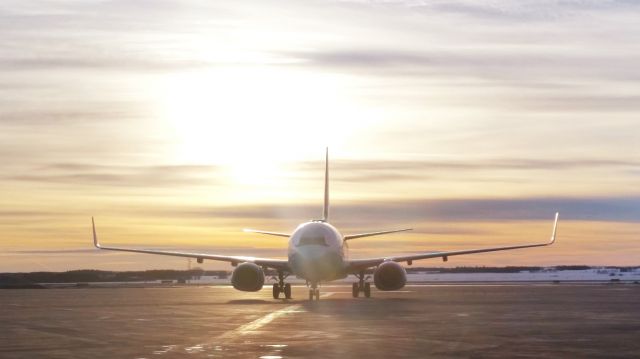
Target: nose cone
{"type": "Point", "coordinates": [312, 253]}
{"type": "Point", "coordinates": [315, 263]}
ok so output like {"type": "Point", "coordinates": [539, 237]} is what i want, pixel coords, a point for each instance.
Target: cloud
{"type": "Point", "coordinates": [371, 58]}
{"type": "Point", "coordinates": [372, 171]}
{"type": "Point", "coordinates": [348, 171]}
{"type": "Point", "coordinates": [119, 176]}
{"type": "Point", "coordinates": [11, 213]}
{"type": "Point", "coordinates": [101, 63]}
{"type": "Point", "coordinates": [54, 251]}
{"type": "Point", "coordinates": [614, 209]}
{"type": "Point", "coordinates": [53, 118]}
{"type": "Point", "coordinates": [541, 69]}
{"type": "Point", "coordinates": [586, 209]}
{"type": "Point", "coordinates": [249, 251]}
{"type": "Point", "coordinates": [139, 37]}
{"type": "Point", "coordinates": [505, 10]}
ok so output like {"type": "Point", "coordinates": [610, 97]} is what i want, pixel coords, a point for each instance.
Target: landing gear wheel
{"type": "Point", "coordinates": [317, 294]}
{"type": "Point", "coordinates": [367, 290]}
{"type": "Point", "coordinates": [287, 291]}
{"type": "Point", "coordinates": [276, 291]}
{"type": "Point", "coordinates": [355, 290]}
{"type": "Point", "coordinates": [311, 294]}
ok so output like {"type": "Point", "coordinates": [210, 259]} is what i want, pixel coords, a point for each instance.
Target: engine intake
{"type": "Point", "coordinates": [389, 276]}
{"type": "Point", "coordinates": [247, 277]}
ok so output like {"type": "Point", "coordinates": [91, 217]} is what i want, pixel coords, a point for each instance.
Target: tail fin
{"type": "Point", "coordinates": [325, 213]}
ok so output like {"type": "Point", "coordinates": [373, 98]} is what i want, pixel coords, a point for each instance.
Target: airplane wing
{"type": "Point", "coordinates": [356, 265]}
{"type": "Point", "coordinates": [280, 264]}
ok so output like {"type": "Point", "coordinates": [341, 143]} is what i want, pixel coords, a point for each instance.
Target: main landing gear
{"type": "Point", "coordinates": [314, 292]}
{"type": "Point", "coordinates": [361, 286]}
{"type": "Point", "coordinates": [281, 287]}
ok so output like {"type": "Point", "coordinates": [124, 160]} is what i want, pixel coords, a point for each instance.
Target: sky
{"type": "Point", "coordinates": [178, 123]}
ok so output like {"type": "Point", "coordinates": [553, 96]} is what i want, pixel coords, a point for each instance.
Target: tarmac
{"type": "Point", "coordinates": [420, 321]}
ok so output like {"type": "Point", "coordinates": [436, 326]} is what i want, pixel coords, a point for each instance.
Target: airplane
{"type": "Point", "coordinates": [316, 253]}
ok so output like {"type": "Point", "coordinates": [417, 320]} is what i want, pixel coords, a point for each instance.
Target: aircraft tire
{"type": "Point", "coordinates": [355, 290]}
{"type": "Point", "coordinates": [287, 291]}
{"type": "Point", "coordinates": [367, 290]}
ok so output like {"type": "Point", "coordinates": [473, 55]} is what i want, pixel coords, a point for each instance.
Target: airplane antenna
{"type": "Point", "coordinates": [325, 214]}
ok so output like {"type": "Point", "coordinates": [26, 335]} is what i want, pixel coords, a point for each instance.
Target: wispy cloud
{"type": "Point", "coordinates": [105, 63]}
{"type": "Point", "coordinates": [348, 171]}
{"type": "Point", "coordinates": [476, 164]}
{"type": "Point", "coordinates": [545, 10]}
{"type": "Point", "coordinates": [616, 209]}
{"type": "Point", "coordinates": [116, 176]}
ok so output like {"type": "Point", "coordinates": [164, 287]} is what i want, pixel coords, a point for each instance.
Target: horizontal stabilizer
{"type": "Point", "coordinates": [371, 234]}
{"type": "Point", "coordinates": [277, 234]}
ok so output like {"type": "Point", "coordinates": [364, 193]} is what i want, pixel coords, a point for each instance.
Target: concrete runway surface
{"type": "Point", "coordinates": [422, 321]}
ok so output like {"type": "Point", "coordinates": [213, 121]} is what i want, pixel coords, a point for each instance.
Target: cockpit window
{"type": "Point", "coordinates": [312, 239]}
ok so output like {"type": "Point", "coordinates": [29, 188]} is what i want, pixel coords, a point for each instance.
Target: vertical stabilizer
{"type": "Point", "coordinates": [325, 213]}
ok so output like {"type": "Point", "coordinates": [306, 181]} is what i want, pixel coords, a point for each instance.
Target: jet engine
{"type": "Point", "coordinates": [247, 277]}
{"type": "Point", "coordinates": [389, 276]}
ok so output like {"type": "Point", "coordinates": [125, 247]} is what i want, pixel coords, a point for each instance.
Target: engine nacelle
{"type": "Point", "coordinates": [389, 276]}
{"type": "Point", "coordinates": [247, 277]}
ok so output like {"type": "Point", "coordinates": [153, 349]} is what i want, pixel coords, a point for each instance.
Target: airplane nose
{"type": "Point", "coordinates": [312, 253]}
{"type": "Point", "coordinates": [315, 264]}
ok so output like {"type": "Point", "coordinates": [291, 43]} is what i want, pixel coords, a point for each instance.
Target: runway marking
{"type": "Point", "coordinates": [261, 322]}
{"type": "Point", "coordinates": [239, 331]}
{"type": "Point", "coordinates": [165, 349]}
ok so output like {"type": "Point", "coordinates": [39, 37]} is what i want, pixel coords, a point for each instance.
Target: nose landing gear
{"type": "Point", "coordinates": [314, 292]}
{"type": "Point", "coordinates": [281, 287]}
{"type": "Point", "coordinates": [361, 286]}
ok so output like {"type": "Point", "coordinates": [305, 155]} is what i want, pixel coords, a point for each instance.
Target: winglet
{"type": "Point", "coordinates": [95, 236]}
{"type": "Point", "coordinates": [555, 227]}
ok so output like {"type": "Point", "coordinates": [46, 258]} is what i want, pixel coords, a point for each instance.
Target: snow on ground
{"type": "Point", "coordinates": [547, 275]}
{"type": "Point", "coordinates": [565, 275]}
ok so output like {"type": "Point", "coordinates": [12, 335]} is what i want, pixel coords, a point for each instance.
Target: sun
{"type": "Point", "coordinates": [254, 119]}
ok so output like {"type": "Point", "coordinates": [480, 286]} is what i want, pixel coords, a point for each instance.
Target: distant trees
{"type": "Point", "coordinates": [90, 275]}
{"type": "Point", "coordinates": [509, 269]}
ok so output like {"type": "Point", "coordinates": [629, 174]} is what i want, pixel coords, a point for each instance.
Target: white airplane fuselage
{"type": "Point", "coordinates": [316, 252]}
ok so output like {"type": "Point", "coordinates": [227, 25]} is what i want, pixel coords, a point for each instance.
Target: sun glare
{"type": "Point", "coordinates": [253, 120]}
{"type": "Point", "coordinates": [231, 115]}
